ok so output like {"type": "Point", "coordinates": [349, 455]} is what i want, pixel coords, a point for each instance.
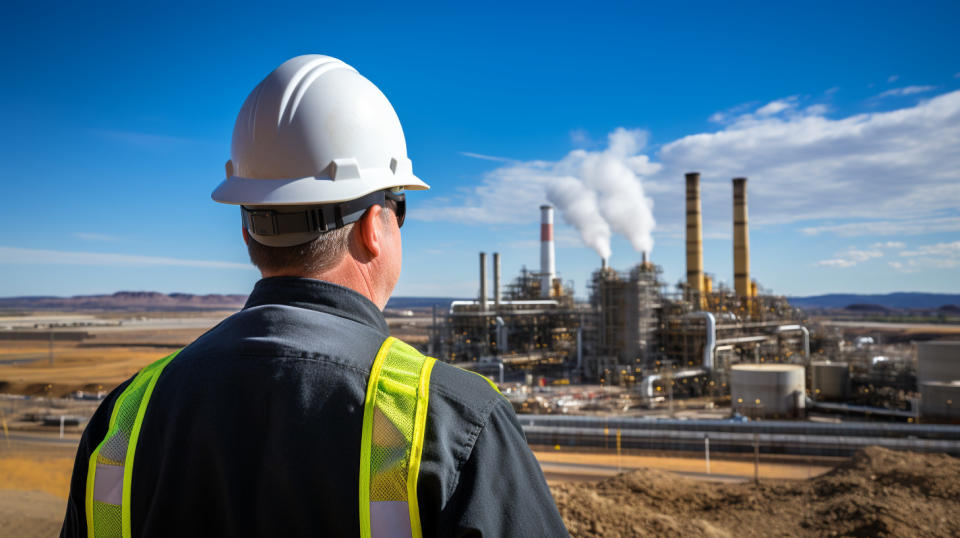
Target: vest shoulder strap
{"type": "Point", "coordinates": [394, 424]}
{"type": "Point", "coordinates": [110, 470]}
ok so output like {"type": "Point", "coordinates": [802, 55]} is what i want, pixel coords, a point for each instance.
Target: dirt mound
{"type": "Point", "coordinates": [878, 493]}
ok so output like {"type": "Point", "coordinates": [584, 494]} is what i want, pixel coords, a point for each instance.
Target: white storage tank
{"type": "Point", "coordinates": [938, 361]}
{"type": "Point", "coordinates": [940, 400]}
{"type": "Point", "coordinates": [768, 390]}
{"type": "Point", "coordinates": [829, 380]}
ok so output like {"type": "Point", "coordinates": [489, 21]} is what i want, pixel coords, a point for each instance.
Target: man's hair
{"type": "Point", "coordinates": [312, 257]}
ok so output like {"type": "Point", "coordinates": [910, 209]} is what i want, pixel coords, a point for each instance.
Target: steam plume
{"type": "Point", "coordinates": [607, 195]}
{"type": "Point", "coordinates": [579, 208]}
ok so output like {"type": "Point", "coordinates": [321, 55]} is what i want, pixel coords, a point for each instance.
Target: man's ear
{"type": "Point", "coordinates": [246, 236]}
{"type": "Point", "coordinates": [371, 230]}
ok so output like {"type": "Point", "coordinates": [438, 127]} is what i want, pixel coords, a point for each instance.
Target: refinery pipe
{"type": "Point", "coordinates": [806, 337]}
{"type": "Point", "coordinates": [547, 302]}
{"type": "Point", "coordinates": [711, 329]}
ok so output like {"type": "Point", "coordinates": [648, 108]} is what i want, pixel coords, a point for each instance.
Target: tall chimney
{"type": "Point", "coordinates": [694, 237]}
{"type": "Point", "coordinates": [496, 281]}
{"type": "Point", "coordinates": [547, 262]}
{"type": "Point", "coordinates": [483, 281]}
{"type": "Point", "coordinates": [741, 239]}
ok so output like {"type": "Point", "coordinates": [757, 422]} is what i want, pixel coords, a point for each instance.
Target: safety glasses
{"type": "Point", "coordinates": [398, 205]}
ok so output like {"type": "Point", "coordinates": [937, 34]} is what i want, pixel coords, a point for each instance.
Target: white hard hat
{"type": "Point", "coordinates": [314, 132]}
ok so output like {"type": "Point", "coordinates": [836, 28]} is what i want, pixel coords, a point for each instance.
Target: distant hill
{"type": "Point", "coordinates": [408, 303]}
{"type": "Point", "coordinates": [152, 300]}
{"type": "Point", "coordinates": [899, 300]}
{"type": "Point", "coordinates": [128, 300]}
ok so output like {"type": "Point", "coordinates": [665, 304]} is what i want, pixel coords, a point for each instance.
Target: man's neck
{"type": "Point", "coordinates": [347, 273]}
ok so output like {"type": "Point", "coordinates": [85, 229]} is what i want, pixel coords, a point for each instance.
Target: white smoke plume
{"type": "Point", "coordinates": [579, 208]}
{"type": "Point", "coordinates": [607, 194]}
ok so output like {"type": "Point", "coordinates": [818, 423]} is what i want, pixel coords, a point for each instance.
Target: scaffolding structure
{"type": "Point", "coordinates": [625, 310]}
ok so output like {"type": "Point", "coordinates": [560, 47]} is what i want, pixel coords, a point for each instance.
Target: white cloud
{"type": "Point", "coordinates": [728, 115]}
{"type": "Point", "coordinates": [914, 226]}
{"type": "Point", "coordinates": [892, 78]}
{"type": "Point", "coordinates": [95, 236]}
{"type": "Point", "coordinates": [836, 262]}
{"type": "Point", "coordinates": [907, 90]}
{"type": "Point", "coordinates": [850, 257]}
{"type": "Point", "coordinates": [487, 157]}
{"type": "Point", "coordinates": [939, 249]}
{"type": "Point", "coordinates": [14, 255]}
{"type": "Point", "coordinates": [883, 173]}
{"type": "Point", "coordinates": [865, 167]}
{"type": "Point", "coordinates": [936, 256]}
{"type": "Point", "coordinates": [580, 138]}
{"type": "Point", "coordinates": [776, 107]}
{"type": "Point", "coordinates": [889, 244]}
{"type": "Point", "coordinates": [598, 192]}
{"type": "Point", "coordinates": [832, 90]}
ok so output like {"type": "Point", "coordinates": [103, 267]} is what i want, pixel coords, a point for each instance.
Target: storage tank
{"type": "Point", "coordinates": [938, 361]}
{"type": "Point", "coordinates": [768, 390]}
{"type": "Point", "coordinates": [829, 380]}
{"type": "Point", "coordinates": [940, 400]}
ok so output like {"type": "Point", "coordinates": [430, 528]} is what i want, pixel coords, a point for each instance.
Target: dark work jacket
{"type": "Point", "coordinates": [254, 430]}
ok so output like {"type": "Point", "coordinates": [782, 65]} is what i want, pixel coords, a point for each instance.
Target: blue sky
{"type": "Point", "coordinates": [845, 117]}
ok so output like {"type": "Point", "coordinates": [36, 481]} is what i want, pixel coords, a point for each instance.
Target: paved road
{"type": "Point", "coordinates": [42, 438]}
{"type": "Point", "coordinates": [22, 358]}
{"type": "Point", "coordinates": [563, 472]}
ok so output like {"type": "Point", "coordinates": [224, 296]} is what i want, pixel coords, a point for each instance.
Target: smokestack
{"type": "Point", "coordinates": [741, 239]}
{"type": "Point", "coordinates": [603, 263]}
{"type": "Point", "coordinates": [483, 281]}
{"type": "Point", "coordinates": [496, 281]}
{"type": "Point", "coordinates": [547, 262]}
{"type": "Point", "coordinates": [694, 236]}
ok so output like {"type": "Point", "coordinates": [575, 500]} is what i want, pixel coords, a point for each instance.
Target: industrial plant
{"type": "Point", "coordinates": [695, 339]}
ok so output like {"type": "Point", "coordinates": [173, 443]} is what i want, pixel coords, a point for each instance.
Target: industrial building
{"type": "Point", "coordinates": [634, 330]}
{"type": "Point", "coordinates": [694, 338]}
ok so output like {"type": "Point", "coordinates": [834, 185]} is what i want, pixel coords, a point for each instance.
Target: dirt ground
{"type": "Point", "coordinates": [878, 493]}
{"type": "Point", "coordinates": [75, 367]}
{"type": "Point", "coordinates": [34, 483]}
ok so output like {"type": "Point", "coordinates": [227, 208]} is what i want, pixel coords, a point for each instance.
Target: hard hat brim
{"type": "Point", "coordinates": [309, 190]}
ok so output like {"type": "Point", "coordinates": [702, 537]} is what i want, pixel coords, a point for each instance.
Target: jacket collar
{"type": "Point", "coordinates": [317, 295]}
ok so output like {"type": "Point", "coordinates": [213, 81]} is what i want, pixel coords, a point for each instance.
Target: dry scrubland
{"type": "Point", "coordinates": [34, 482]}
{"type": "Point", "coordinates": [94, 365]}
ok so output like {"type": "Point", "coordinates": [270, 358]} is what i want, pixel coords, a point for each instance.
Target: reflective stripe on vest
{"type": "Point", "coordinates": [110, 469]}
{"type": "Point", "coordinates": [394, 423]}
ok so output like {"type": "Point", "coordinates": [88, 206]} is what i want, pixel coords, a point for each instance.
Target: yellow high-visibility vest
{"type": "Point", "coordinates": [394, 423]}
